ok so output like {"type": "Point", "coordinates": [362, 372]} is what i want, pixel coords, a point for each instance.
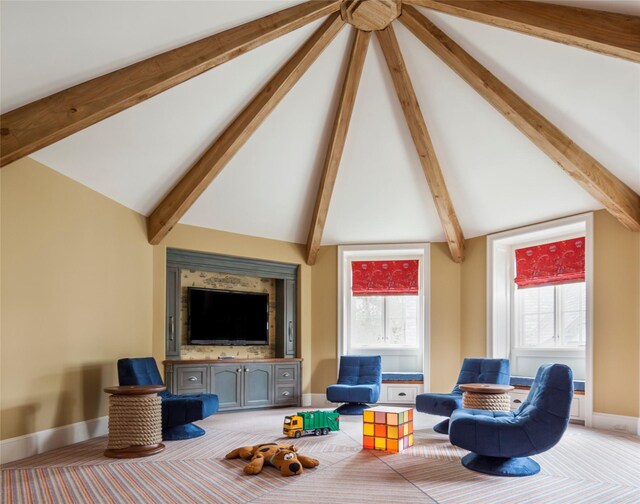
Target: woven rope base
{"type": "Point", "coordinates": [494, 402]}
{"type": "Point", "coordinates": [135, 426]}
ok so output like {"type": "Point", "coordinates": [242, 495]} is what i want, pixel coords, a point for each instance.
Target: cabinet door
{"type": "Point", "coordinates": [258, 385]}
{"type": "Point", "coordinates": [290, 316]}
{"type": "Point", "coordinates": [226, 383]}
{"type": "Point", "coordinates": [172, 325]}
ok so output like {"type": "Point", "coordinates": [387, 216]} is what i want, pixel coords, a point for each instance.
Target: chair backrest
{"type": "Point", "coordinates": [360, 370]}
{"type": "Point", "coordinates": [139, 371]}
{"type": "Point", "coordinates": [546, 411]}
{"type": "Point", "coordinates": [483, 371]}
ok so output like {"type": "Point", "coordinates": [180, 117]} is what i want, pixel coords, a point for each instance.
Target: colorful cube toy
{"type": "Point", "coordinates": [387, 428]}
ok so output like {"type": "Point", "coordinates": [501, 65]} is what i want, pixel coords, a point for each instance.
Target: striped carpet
{"type": "Point", "coordinates": [587, 466]}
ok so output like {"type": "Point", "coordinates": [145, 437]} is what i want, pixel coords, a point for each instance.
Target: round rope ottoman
{"type": "Point", "coordinates": [135, 421]}
{"type": "Point", "coordinates": [486, 396]}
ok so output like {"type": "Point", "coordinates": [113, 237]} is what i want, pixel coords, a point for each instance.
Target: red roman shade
{"type": "Point", "coordinates": [550, 264]}
{"type": "Point", "coordinates": [384, 278]}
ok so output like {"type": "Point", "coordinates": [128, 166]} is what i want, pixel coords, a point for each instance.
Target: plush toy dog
{"type": "Point", "coordinates": [283, 457]}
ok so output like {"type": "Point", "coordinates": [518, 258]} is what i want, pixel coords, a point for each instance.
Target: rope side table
{"type": "Point", "coordinates": [135, 421]}
{"type": "Point", "coordinates": [486, 396]}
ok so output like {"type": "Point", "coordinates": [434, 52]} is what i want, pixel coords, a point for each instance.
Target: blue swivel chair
{"type": "Point", "coordinates": [359, 381]}
{"type": "Point", "coordinates": [473, 371]}
{"type": "Point", "coordinates": [501, 442]}
{"type": "Point", "coordinates": [178, 411]}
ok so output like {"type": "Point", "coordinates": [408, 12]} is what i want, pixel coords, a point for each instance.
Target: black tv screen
{"type": "Point", "coordinates": [218, 317]}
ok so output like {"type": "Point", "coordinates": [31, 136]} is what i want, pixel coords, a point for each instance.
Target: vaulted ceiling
{"type": "Point", "coordinates": [493, 175]}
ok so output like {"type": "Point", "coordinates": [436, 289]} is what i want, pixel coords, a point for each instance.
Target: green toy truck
{"type": "Point", "coordinates": [311, 422]}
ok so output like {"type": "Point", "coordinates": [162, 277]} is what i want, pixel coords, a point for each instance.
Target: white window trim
{"type": "Point", "coordinates": [373, 252]}
{"type": "Point", "coordinates": [500, 293]}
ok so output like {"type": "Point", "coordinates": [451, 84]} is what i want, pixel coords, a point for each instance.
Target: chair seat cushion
{"type": "Point", "coordinates": [491, 433]}
{"type": "Point", "coordinates": [438, 404]}
{"type": "Point", "coordinates": [182, 409]}
{"type": "Point", "coordinates": [364, 393]}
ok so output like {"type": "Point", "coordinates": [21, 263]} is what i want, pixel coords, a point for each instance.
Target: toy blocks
{"type": "Point", "coordinates": [387, 428]}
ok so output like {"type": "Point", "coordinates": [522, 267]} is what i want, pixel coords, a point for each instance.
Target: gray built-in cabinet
{"type": "Point", "coordinates": [241, 383]}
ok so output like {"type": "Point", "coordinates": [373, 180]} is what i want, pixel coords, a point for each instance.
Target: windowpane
{"type": "Point", "coordinates": [572, 314]}
{"type": "Point", "coordinates": [547, 330]}
{"type": "Point", "coordinates": [402, 320]}
{"type": "Point", "coordinates": [367, 321]}
{"type": "Point", "coordinates": [547, 299]}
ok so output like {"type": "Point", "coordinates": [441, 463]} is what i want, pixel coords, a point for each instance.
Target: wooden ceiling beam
{"type": "Point", "coordinates": [45, 121]}
{"type": "Point", "coordinates": [220, 152]}
{"type": "Point", "coordinates": [604, 32]}
{"type": "Point", "coordinates": [605, 187]}
{"type": "Point", "coordinates": [422, 141]}
{"type": "Point", "coordinates": [336, 143]}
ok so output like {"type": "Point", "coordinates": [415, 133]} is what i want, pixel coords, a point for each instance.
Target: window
{"type": "Point", "coordinates": [539, 295]}
{"type": "Point", "coordinates": [553, 316]}
{"type": "Point", "coordinates": [383, 305]}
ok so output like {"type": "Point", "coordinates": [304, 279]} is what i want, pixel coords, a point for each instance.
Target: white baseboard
{"type": "Point", "coordinates": [316, 401]}
{"type": "Point", "coordinates": [39, 442]}
{"type": "Point", "coordinates": [618, 423]}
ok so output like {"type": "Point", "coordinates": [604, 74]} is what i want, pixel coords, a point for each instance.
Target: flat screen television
{"type": "Point", "coordinates": [220, 317]}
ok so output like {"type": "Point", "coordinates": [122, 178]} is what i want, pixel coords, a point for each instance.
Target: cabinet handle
{"type": "Point", "coordinates": [285, 375]}
{"type": "Point", "coordinates": [239, 370]}
{"type": "Point", "coordinates": [172, 328]}
{"type": "Point", "coordinates": [291, 331]}
{"type": "Point", "coordinates": [246, 370]}
{"type": "Point", "coordinates": [285, 393]}
{"type": "Point", "coordinates": [517, 401]}
{"type": "Point", "coordinates": [192, 378]}
{"type": "Point", "coordinates": [402, 394]}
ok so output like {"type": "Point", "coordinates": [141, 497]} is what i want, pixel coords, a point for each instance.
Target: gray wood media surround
{"type": "Point", "coordinates": [239, 383]}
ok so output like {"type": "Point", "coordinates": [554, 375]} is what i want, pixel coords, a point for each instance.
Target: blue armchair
{"type": "Point", "coordinates": [473, 371]}
{"type": "Point", "coordinates": [178, 411]}
{"type": "Point", "coordinates": [501, 442]}
{"type": "Point", "coordinates": [359, 381]}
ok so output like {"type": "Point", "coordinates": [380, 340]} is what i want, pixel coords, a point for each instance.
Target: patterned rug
{"type": "Point", "coordinates": [587, 466]}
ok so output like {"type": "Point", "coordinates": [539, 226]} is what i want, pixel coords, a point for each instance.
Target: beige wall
{"type": "Point", "coordinates": [473, 289]}
{"type": "Point", "coordinates": [445, 318]}
{"type": "Point", "coordinates": [220, 242]}
{"type": "Point", "coordinates": [324, 317]}
{"type": "Point", "coordinates": [616, 319]}
{"type": "Point", "coordinates": [76, 296]}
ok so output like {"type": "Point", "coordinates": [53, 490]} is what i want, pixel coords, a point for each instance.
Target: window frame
{"type": "Point", "coordinates": [500, 289]}
{"type": "Point", "coordinates": [349, 253]}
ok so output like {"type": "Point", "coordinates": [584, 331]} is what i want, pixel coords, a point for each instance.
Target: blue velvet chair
{"type": "Point", "coordinates": [501, 442]}
{"type": "Point", "coordinates": [359, 381]}
{"type": "Point", "coordinates": [473, 371]}
{"type": "Point", "coordinates": [178, 411]}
